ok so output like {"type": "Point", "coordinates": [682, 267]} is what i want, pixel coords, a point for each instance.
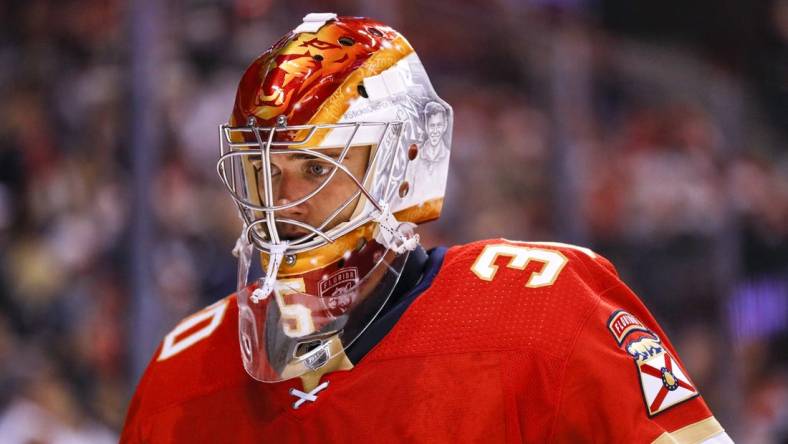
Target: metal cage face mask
{"type": "Point", "coordinates": [248, 168]}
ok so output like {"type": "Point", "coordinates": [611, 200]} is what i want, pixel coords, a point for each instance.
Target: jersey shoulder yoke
{"type": "Point", "coordinates": [501, 294]}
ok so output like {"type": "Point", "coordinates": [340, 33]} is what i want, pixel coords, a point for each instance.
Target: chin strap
{"type": "Point", "coordinates": [243, 250]}
{"type": "Point", "coordinates": [393, 234]}
{"type": "Point", "coordinates": [275, 256]}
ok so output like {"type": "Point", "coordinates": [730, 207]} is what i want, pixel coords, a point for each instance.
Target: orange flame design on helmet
{"type": "Point", "coordinates": [297, 75]}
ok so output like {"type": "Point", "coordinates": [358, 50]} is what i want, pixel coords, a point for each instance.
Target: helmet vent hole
{"type": "Point", "coordinates": [362, 91]}
{"type": "Point", "coordinates": [346, 41]}
{"type": "Point", "coordinates": [375, 32]}
{"type": "Point", "coordinates": [317, 57]}
{"type": "Point", "coordinates": [403, 189]}
{"type": "Point", "coordinates": [413, 151]}
{"type": "Point", "coordinates": [306, 347]}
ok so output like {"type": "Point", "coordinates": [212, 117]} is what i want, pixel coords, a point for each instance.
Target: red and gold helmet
{"type": "Point", "coordinates": [331, 90]}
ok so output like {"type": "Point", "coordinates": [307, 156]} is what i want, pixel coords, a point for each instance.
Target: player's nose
{"type": "Point", "coordinates": [291, 190]}
{"type": "Point", "coordinates": [296, 212]}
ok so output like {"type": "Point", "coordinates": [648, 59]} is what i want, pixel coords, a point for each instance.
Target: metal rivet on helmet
{"type": "Point", "coordinates": [413, 151]}
{"type": "Point", "coordinates": [403, 189]}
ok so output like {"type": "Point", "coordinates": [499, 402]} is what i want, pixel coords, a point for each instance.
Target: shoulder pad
{"type": "Point", "coordinates": [502, 294]}
{"type": "Point", "coordinates": [540, 262]}
{"type": "Point", "coordinates": [200, 354]}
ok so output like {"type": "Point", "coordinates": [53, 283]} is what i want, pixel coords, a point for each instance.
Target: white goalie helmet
{"type": "Point", "coordinates": [336, 148]}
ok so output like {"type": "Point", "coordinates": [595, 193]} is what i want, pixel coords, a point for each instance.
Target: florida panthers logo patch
{"type": "Point", "coordinates": [337, 291]}
{"type": "Point", "coordinates": [621, 324]}
{"type": "Point", "coordinates": [663, 382]}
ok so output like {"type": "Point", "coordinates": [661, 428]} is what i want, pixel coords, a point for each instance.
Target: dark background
{"type": "Point", "coordinates": [653, 132]}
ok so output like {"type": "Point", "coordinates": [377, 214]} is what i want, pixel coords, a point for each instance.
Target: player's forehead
{"type": "Point", "coordinates": [334, 153]}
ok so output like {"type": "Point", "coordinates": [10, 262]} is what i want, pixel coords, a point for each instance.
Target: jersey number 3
{"type": "Point", "coordinates": [519, 257]}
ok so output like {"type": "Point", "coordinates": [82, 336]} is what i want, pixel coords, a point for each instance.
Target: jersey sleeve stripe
{"type": "Point", "coordinates": [719, 438]}
{"type": "Point", "coordinates": [707, 431]}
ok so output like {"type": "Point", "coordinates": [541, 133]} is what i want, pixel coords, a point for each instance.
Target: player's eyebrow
{"type": "Point", "coordinates": [257, 163]}
{"type": "Point", "coordinates": [304, 156]}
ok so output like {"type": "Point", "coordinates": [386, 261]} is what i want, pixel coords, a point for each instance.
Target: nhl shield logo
{"type": "Point", "coordinates": [318, 357]}
{"type": "Point", "coordinates": [664, 383]}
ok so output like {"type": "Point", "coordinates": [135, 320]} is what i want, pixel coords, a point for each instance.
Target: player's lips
{"type": "Point", "coordinates": [291, 233]}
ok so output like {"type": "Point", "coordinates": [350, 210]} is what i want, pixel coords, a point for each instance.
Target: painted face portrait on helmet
{"type": "Point", "coordinates": [321, 156]}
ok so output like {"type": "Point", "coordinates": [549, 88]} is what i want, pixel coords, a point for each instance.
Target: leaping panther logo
{"type": "Point", "coordinates": [644, 348]}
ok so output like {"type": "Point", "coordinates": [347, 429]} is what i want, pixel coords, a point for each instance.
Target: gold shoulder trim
{"type": "Point", "coordinates": [693, 433]}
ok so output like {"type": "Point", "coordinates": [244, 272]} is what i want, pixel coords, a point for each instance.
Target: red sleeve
{"type": "Point", "coordinates": [194, 358]}
{"type": "Point", "coordinates": [131, 433]}
{"type": "Point", "coordinates": [624, 381]}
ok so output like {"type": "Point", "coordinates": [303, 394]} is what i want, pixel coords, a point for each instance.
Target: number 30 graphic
{"type": "Point", "coordinates": [177, 340]}
{"type": "Point", "coordinates": [520, 255]}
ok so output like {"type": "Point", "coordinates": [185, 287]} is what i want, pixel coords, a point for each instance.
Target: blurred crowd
{"type": "Point", "coordinates": [661, 159]}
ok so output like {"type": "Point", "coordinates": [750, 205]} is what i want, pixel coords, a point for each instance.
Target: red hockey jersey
{"type": "Point", "coordinates": [512, 342]}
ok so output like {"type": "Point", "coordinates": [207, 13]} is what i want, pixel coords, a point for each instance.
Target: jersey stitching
{"type": "Point", "coordinates": [571, 354]}
{"type": "Point", "coordinates": [582, 259]}
{"type": "Point", "coordinates": [504, 385]}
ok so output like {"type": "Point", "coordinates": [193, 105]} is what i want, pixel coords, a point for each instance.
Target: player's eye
{"type": "Point", "coordinates": [318, 169]}
{"type": "Point", "coordinates": [258, 168]}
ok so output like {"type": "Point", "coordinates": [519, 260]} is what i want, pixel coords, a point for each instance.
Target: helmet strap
{"type": "Point", "coordinates": [275, 256]}
{"type": "Point", "coordinates": [243, 250]}
{"type": "Point", "coordinates": [393, 234]}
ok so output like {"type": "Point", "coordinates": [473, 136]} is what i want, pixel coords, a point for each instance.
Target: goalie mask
{"type": "Point", "coordinates": [336, 147]}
